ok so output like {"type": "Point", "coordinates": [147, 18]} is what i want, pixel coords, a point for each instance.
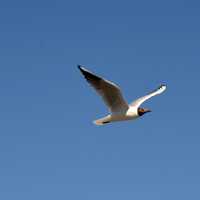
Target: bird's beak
{"type": "Point", "coordinates": [147, 110]}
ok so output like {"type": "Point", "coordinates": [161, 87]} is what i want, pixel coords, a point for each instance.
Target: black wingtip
{"type": "Point", "coordinates": [82, 68]}
{"type": "Point", "coordinates": [79, 67]}
{"type": "Point", "coordinates": [162, 85]}
{"type": "Point", "coordinates": [87, 73]}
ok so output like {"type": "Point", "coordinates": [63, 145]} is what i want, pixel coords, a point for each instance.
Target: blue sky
{"type": "Point", "coordinates": [49, 148]}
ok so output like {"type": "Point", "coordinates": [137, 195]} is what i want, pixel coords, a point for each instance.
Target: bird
{"type": "Point", "coordinates": [112, 96]}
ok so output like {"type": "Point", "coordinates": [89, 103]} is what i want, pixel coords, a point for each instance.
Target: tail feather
{"type": "Point", "coordinates": [102, 121]}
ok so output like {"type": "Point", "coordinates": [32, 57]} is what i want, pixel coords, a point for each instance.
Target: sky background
{"type": "Point", "coordinates": [49, 147]}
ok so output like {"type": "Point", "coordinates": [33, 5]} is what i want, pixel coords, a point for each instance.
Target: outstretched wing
{"type": "Point", "coordinates": [110, 92]}
{"type": "Point", "coordinates": [141, 100]}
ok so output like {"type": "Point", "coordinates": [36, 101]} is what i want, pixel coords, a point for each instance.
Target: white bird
{"type": "Point", "coordinates": [112, 96]}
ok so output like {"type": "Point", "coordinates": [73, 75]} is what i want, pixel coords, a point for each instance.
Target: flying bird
{"type": "Point", "coordinates": [112, 96]}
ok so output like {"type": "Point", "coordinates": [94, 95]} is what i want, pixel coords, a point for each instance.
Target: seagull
{"type": "Point", "coordinates": [112, 96]}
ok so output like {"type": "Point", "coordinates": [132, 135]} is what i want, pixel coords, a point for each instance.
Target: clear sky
{"type": "Point", "coordinates": [49, 147]}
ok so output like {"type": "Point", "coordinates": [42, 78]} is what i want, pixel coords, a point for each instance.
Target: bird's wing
{"type": "Point", "coordinates": [141, 100]}
{"type": "Point", "coordinates": [110, 92]}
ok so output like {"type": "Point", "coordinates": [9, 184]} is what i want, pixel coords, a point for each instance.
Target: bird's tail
{"type": "Point", "coordinates": [102, 121]}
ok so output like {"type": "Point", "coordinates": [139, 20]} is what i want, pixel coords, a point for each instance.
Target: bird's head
{"type": "Point", "coordinates": [142, 111]}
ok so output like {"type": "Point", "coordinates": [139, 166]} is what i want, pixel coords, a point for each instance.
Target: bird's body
{"type": "Point", "coordinates": [130, 114]}
{"type": "Point", "coordinates": [111, 94]}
